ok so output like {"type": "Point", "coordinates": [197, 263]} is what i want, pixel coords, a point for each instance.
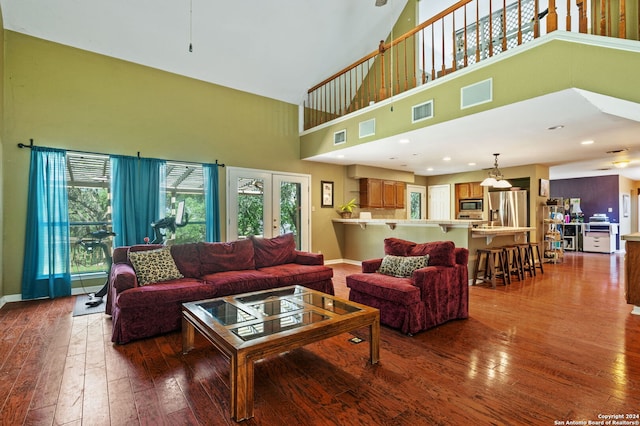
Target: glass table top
{"type": "Point", "coordinates": [269, 312]}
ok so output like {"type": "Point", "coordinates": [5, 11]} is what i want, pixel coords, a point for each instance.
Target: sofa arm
{"type": "Point", "coordinates": [122, 277]}
{"type": "Point", "coordinates": [308, 258]}
{"type": "Point", "coordinates": [370, 266]}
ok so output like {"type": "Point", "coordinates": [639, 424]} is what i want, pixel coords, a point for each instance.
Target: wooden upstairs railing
{"type": "Point", "coordinates": [461, 35]}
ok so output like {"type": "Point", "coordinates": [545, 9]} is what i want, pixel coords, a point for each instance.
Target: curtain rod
{"type": "Point", "coordinates": [31, 145]}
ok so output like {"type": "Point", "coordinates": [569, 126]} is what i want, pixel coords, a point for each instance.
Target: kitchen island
{"type": "Point", "coordinates": [362, 239]}
{"type": "Point", "coordinates": [632, 271]}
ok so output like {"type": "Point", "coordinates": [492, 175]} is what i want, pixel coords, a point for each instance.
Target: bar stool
{"type": "Point", "coordinates": [494, 266]}
{"type": "Point", "coordinates": [513, 260]}
{"type": "Point", "coordinates": [536, 257]}
{"type": "Point", "coordinates": [526, 255]}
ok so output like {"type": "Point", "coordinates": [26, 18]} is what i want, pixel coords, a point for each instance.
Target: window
{"type": "Point", "coordinates": [88, 184]}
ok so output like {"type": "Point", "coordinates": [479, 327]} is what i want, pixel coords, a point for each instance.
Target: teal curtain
{"type": "Point", "coordinates": [212, 202]}
{"type": "Point", "coordinates": [47, 268]}
{"type": "Point", "coordinates": [137, 197]}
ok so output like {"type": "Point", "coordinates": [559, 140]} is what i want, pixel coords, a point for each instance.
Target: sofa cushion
{"type": "Point", "coordinates": [274, 251]}
{"type": "Point", "coordinates": [154, 266]}
{"type": "Point", "coordinates": [294, 274]}
{"type": "Point", "coordinates": [400, 290]}
{"type": "Point", "coordinates": [397, 246]}
{"type": "Point", "coordinates": [441, 253]}
{"type": "Point", "coordinates": [236, 282]}
{"type": "Point", "coordinates": [174, 291]}
{"type": "Point", "coordinates": [402, 266]}
{"type": "Point", "coordinates": [187, 258]}
{"type": "Point", "coordinates": [230, 256]}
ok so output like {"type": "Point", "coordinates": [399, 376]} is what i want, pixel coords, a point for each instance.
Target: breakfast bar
{"type": "Point", "coordinates": [362, 239]}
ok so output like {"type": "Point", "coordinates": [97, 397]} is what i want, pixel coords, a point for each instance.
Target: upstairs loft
{"type": "Point", "coordinates": [449, 67]}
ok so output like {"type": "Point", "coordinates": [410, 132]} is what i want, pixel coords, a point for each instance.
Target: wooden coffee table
{"type": "Point", "coordinates": [248, 327]}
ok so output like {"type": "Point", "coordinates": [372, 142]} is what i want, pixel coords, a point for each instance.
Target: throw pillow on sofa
{"type": "Point", "coordinates": [154, 266]}
{"type": "Point", "coordinates": [402, 266]}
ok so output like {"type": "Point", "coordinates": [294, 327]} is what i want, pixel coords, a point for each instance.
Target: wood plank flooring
{"type": "Point", "coordinates": [558, 347]}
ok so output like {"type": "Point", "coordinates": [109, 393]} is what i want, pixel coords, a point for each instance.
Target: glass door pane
{"type": "Point", "coordinates": [248, 204]}
{"type": "Point", "coordinates": [291, 213]}
{"type": "Point", "coordinates": [416, 202]}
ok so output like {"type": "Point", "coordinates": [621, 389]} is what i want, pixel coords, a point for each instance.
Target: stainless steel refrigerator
{"type": "Point", "coordinates": [508, 208]}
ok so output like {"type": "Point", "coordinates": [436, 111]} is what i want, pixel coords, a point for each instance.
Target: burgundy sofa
{"type": "Point", "coordinates": [209, 270]}
{"type": "Point", "coordinates": [428, 297]}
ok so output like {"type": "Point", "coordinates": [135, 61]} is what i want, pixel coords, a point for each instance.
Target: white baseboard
{"type": "Point", "coordinates": [9, 298]}
{"type": "Point", "coordinates": [348, 261]}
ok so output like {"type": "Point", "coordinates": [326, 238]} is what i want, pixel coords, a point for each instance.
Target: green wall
{"type": "Point", "coordinates": [68, 98]}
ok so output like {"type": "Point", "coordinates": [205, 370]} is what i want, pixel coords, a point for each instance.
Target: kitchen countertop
{"type": "Point", "coordinates": [631, 237]}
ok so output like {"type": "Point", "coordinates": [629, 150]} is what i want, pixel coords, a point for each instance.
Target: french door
{"type": "Point", "coordinates": [267, 204]}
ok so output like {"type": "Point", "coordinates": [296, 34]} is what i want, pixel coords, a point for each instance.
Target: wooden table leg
{"type": "Point", "coordinates": [374, 337]}
{"type": "Point", "coordinates": [241, 378]}
{"type": "Point", "coordinates": [188, 335]}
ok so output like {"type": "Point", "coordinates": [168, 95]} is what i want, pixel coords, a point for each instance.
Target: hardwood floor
{"type": "Point", "coordinates": [558, 347]}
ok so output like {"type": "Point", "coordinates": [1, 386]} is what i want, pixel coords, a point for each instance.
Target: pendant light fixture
{"type": "Point", "coordinates": [496, 179]}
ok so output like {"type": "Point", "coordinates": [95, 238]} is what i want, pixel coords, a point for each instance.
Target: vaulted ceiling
{"type": "Point", "coordinates": [280, 48]}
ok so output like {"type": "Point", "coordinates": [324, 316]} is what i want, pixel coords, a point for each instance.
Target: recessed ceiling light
{"type": "Point", "coordinates": [429, 169]}
{"type": "Point", "coordinates": [404, 141]}
{"type": "Point", "coordinates": [621, 164]}
{"type": "Point", "coordinates": [340, 156]}
{"type": "Point", "coordinates": [472, 164]}
{"type": "Point", "coordinates": [446, 159]}
{"type": "Point", "coordinates": [559, 126]}
{"type": "Point", "coordinates": [586, 142]}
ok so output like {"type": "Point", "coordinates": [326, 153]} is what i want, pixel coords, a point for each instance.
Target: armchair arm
{"type": "Point", "coordinates": [308, 258]}
{"type": "Point", "coordinates": [123, 277]}
{"type": "Point", "coordinates": [429, 278]}
{"type": "Point", "coordinates": [462, 256]}
{"type": "Point", "coordinates": [370, 266]}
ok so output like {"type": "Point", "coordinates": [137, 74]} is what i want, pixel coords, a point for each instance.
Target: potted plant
{"type": "Point", "coordinates": [346, 209]}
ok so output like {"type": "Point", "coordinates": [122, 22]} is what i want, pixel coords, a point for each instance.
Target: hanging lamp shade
{"type": "Point", "coordinates": [496, 179]}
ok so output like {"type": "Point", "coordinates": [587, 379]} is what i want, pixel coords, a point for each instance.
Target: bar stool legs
{"type": "Point", "coordinates": [527, 260]}
{"type": "Point", "coordinates": [491, 264]}
{"type": "Point", "coordinates": [513, 260]}
{"type": "Point", "coordinates": [536, 257]}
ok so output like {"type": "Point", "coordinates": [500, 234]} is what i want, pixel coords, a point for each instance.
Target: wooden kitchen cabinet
{"type": "Point", "coordinates": [378, 193]}
{"type": "Point", "coordinates": [401, 194]}
{"type": "Point", "coordinates": [370, 193]}
{"type": "Point", "coordinates": [469, 190]}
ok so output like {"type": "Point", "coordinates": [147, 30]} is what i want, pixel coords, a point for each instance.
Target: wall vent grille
{"type": "Point", "coordinates": [340, 137]}
{"type": "Point", "coordinates": [367, 128]}
{"type": "Point", "coordinates": [422, 111]}
{"type": "Point", "coordinates": [476, 94]}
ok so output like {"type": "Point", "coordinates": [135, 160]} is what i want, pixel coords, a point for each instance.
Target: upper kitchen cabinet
{"type": "Point", "coordinates": [378, 193]}
{"type": "Point", "coordinates": [469, 190]}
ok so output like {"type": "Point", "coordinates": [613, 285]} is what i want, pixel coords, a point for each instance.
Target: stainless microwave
{"type": "Point", "coordinates": [471, 205]}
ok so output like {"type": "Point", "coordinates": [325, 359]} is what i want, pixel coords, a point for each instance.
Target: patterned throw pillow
{"type": "Point", "coordinates": [402, 266]}
{"type": "Point", "coordinates": [154, 266]}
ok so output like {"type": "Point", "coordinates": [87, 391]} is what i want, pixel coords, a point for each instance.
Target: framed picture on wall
{"type": "Point", "coordinates": [327, 193]}
{"type": "Point", "coordinates": [544, 188]}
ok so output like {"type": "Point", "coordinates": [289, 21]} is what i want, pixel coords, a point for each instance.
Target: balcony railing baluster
{"type": "Point", "coordinates": [381, 74]}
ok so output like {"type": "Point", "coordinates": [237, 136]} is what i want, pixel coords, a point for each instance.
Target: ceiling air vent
{"type": "Point", "coordinates": [367, 128]}
{"type": "Point", "coordinates": [340, 137]}
{"type": "Point", "coordinates": [476, 94]}
{"type": "Point", "coordinates": [422, 111]}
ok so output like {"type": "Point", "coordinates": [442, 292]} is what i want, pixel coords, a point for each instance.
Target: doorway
{"type": "Point", "coordinates": [440, 202]}
{"type": "Point", "coordinates": [267, 204]}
